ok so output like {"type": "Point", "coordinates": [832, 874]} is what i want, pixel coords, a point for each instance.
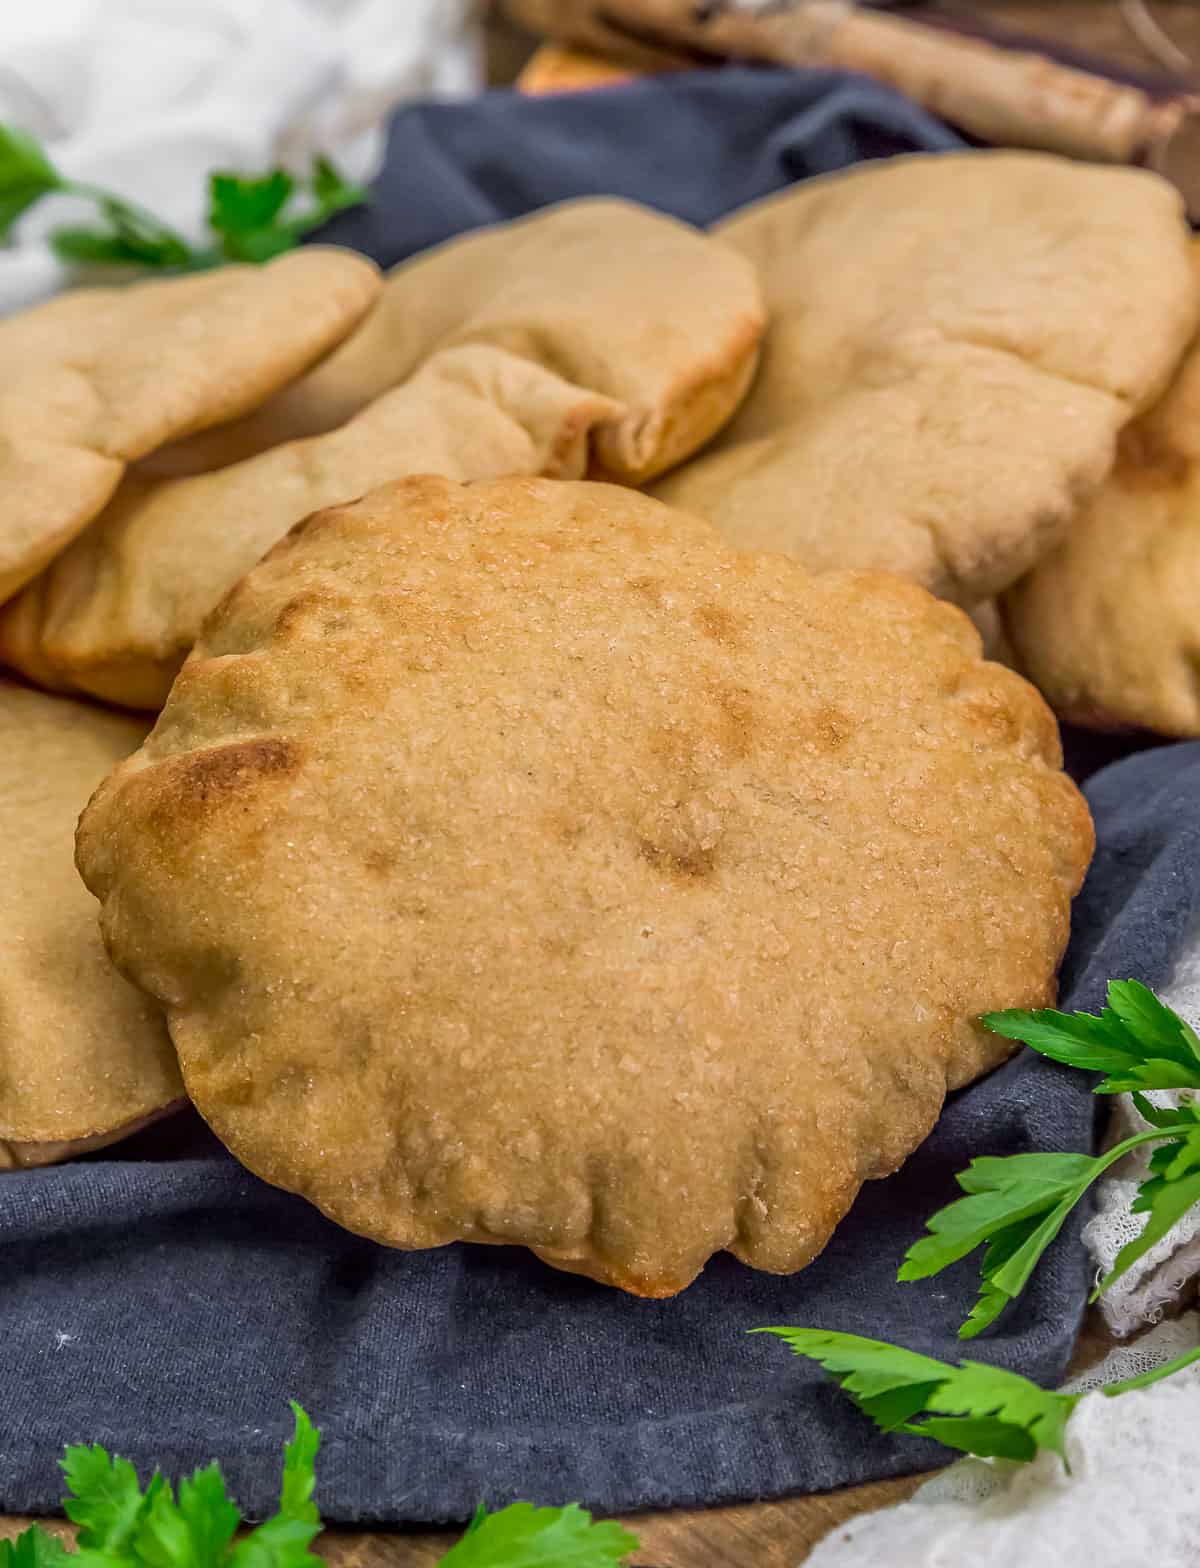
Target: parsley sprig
{"type": "Point", "coordinates": [123, 1525]}
{"type": "Point", "coordinates": [979, 1409]}
{"type": "Point", "coordinates": [251, 218]}
{"type": "Point", "coordinates": [1015, 1206]}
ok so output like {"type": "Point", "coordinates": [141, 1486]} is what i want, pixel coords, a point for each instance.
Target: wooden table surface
{"type": "Point", "coordinates": [776, 1534]}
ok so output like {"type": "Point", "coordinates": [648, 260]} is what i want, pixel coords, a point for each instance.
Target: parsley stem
{"type": "Point", "coordinates": [1152, 1135]}
{"type": "Point", "coordinates": [1155, 1374]}
{"type": "Point", "coordinates": [141, 216]}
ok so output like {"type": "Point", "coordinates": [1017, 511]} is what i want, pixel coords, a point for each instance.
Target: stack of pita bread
{"type": "Point", "coordinates": [518, 857]}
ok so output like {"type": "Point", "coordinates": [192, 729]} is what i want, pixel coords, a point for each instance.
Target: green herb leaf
{"type": "Point", "coordinates": [26, 175]}
{"type": "Point", "coordinates": [108, 1503]}
{"type": "Point", "coordinates": [1017, 1206]}
{"type": "Point", "coordinates": [978, 1409]}
{"type": "Point", "coordinates": [876, 1375]}
{"type": "Point", "coordinates": [193, 1533]}
{"type": "Point", "coordinates": [1166, 1200]}
{"type": "Point", "coordinates": [1137, 1041]}
{"type": "Point", "coordinates": [238, 205]}
{"type": "Point", "coordinates": [330, 189]}
{"type": "Point", "coordinates": [245, 214]}
{"type": "Point", "coordinates": [33, 1548]}
{"type": "Point", "coordinates": [522, 1536]}
{"type": "Point", "coordinates": [300, 1470]}
{"type": "Point", "coordinates": [283, 1541]}
{"type": "Point", "coordinates": [333, 194]}
{"type": "Point", "coordinates": [252, 217]}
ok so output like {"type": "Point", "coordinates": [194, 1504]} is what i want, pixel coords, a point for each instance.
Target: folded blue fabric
{"type": "Point", "coordinates": [161, 1300]}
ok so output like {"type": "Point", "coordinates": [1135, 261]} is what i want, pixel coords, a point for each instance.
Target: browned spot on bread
{"type": "Point", "coordinates": [831, 729]}
{"type": "Point", "coordinates": [693, 862]}
{"type": "Point", "coordinates": [648, 588]}
{"type": "Point", "coordinates": [716, 622]}
{"type": "Point", "coordinates": [563, 826]}
{"type": "Point", "coordinates": [202, 778]}
{"type": "Point", "coordinates": [304, 607]}
{"type": "Point", "coordinates": [736, 724]}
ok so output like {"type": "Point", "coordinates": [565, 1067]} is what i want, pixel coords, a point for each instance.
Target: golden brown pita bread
{"type": "Point", "coordinates": [117, 612]}
{"type": "Point", "coordinates": [955, 342]}
{"type": "Point", "coordinates": [519, 863]}
{"type": "Point", "coordinates": [96, 378]}
{"type": "Point", "coordinates": [1108, 623]}
{"type": "Point", "coordinates": [84, 1058]}
{"type": "Point", "coordinates": [613, 297]}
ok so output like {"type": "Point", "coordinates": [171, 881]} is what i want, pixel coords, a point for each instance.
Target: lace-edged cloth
{"type": "Point", "coordinates": [1165, 1279]}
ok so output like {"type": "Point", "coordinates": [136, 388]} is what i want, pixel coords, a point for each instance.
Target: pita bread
{"type": "Point", "coordinates": [84, 1058]}
{"type": "Point", "coordinates": [518, 863]}
{"type": "Point", "coordinates": [96, 378]}
{"type": "Point", "coordinates": [1107, 624]}
{"type": "Point", "coordinates": [116, 614]}
{"type": "Point", "coordinates": [955, 342]}
{"type": "Point", "coordinates": [625, 302]}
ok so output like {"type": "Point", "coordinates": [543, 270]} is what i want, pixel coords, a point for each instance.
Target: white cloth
{"type": "Point", "coordinates": [1131, 1495]}
{"type": "Point", "coordinates": [146, 97]}
{"type": "Point", "coordinates": [1169, 1271]}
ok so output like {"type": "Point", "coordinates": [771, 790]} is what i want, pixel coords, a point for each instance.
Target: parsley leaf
{"type": "Point", "coordinates": [1015, 1207]}
{"type": "Point", "coordinates": [1165, 1199]}
{"type": "Point", "coordinates": [1137, 1042]}
{"type": "Point", "coordinates": [122, 1526]}
{"type": "Point", "coordinates": [252, 218]}
{"type": "Point", "coordinates": [33, 1548]}
{"type": "Point", "coordinates": [522, 1536]}
{"type": "Point", "coordinates": [193, 1532]}
{"type": "Point", "coordinates": [980, 1409]}
{"type": "Point", "coordinates": [26, 175]}
{"type": "Point", "coordinates": [108, 1504]}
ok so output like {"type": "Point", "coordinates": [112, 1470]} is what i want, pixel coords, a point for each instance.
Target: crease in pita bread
{"type": "Point", "coordinates": [630, 304]}
{"type": "Point", "coordinates": [97, 378]}
{"type": "Point", "coordinates": [519, 863]}
{"type": "Point", "coordinates": [84, 1057]}
{"type": "Point", "coordinates": [956, 341]}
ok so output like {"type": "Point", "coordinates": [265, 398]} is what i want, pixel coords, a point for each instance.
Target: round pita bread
{"type": "Point", "coordinates": [84, 1057]}
{"type": "Point", "coordinates": [955, 342]}
{"type": "Point", "coordinates": [518, 863]}
{"type": "Point", "coordinates": [1107, 625]}
{"type": "Point", "coordinates": [96, 378]}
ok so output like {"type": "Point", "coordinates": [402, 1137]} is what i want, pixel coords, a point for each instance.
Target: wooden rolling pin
{"type": "Point", "coordinates": [997, 93]}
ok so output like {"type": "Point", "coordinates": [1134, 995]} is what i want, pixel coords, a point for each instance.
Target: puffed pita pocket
{"type": "Point", "coordinates": [519, 863]}
{"type": "Point", "coordinates": [97, 378]}
{"type": "Point", "coordinates": [1107, 624]}
{"type": "Point", "coordinates": [626, 302]}
{"type": "Point", "coordinates": [956, 341]}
